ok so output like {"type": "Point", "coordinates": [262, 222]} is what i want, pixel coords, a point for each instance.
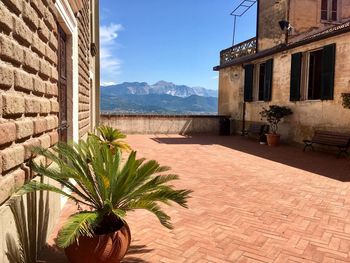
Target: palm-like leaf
{"type": "Point", "coordinates": [106, 184]}
{"type": "Point", "coordinates": [112, 137]}
{"type": "Point", "coordinates": [80, 224]}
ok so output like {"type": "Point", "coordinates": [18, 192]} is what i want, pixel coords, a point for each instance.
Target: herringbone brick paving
{"type": "Point", "coordinates": [251, 203]}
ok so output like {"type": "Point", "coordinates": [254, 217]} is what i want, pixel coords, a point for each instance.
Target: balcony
{"type": "Point", "coordinates": [243, 49]}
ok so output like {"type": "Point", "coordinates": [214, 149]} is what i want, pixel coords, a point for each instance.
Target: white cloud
{"type": "Point", "coordinates": [108, 83]}
{"type": "Point", "coordinates": [110, 63]}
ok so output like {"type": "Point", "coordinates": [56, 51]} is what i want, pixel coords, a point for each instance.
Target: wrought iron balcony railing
{"type": "Point", "coordinates": [245, 48]}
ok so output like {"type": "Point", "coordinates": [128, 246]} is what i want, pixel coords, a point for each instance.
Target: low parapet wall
{"type": "Point", "coordinates": [163, 124]}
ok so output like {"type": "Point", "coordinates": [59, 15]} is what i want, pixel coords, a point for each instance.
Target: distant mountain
{"type": "Point", "coordinates": [160, 98]}
{"type": "Point", "coordinates": [161, 88]}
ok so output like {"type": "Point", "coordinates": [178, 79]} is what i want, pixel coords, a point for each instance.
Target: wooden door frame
{"type": "Point", "coordinates": [67, 21]}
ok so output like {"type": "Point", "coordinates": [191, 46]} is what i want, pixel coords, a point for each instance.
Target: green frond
{"type": "Point", "coordinates": [154, 208]}
{"type": "Point", "coordinates": [80, 224]}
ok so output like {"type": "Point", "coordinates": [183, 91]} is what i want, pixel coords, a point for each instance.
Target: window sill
{"type": "Point", "coordinates": [330, 22]}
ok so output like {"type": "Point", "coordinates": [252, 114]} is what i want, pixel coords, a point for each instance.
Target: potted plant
{"type": "Point", "coordinates": [105, 187]}
{"type": "Point", "coordinates": [274, 115]}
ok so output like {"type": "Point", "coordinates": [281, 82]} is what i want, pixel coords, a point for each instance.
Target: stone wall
{"type": "Point", "coordinates": [269, 31]}
{"type": "Point", "coordinates": [306, 15]}
{"type": "Point", "coordinates": [29, 107]}
{"type": "Point", "coordinates": [84, 69]}
{"type": "Point", "coordinates": [162, 124]}
{"type": "Point", "coordinates": [28, 95]}
{"type": "Point", "coordinates": [308, 115]}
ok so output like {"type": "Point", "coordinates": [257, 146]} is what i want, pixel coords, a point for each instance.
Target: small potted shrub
{"type": "Point", "coordinates": [274, 114]}
{"type": "Point", "coordinates": [105, 186]}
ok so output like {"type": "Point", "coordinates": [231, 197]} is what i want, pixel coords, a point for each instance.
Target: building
{"type": "Point", "coordinates": [49, 86]}
{"type": "Point", "coordinates": [300, 58]}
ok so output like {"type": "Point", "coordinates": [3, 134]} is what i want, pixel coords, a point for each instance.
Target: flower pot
{"type": "Point", "coordinates": [107, 248]}
{"type": "Point", "coordinates": [273, 139]}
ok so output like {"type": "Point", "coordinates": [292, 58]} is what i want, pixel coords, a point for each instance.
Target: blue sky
{"type": "Point", "coordinates": [172, 40]}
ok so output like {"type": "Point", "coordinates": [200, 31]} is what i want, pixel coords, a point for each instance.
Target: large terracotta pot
{"type": "Point", "coordinates": [108, 248]}
{"type": "Point", "coordinates": [273, 139]}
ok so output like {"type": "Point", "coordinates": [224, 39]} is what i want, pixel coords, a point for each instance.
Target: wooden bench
{"type": "Point", "coordinates": [258, 130]}
{"type": "Point", "coordinates": [333, 139]}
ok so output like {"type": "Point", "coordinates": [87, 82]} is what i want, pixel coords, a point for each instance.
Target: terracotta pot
{"type": "Point", "coordinates": [273, 139]}
{"type": "Point", "coordinates": [108, 248]}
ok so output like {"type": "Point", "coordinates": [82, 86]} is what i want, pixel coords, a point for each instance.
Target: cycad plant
{"type": "Point", "coordinates": [105, 186]}
{"type": "Point", "coordinates": [112, 137]}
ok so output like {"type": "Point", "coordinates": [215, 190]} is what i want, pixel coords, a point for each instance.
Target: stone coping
{"type": "Point", "coordinates": [109, 115]}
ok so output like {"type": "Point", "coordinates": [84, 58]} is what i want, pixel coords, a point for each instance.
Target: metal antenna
{"type": "Point", "coordinates": [239, 11]}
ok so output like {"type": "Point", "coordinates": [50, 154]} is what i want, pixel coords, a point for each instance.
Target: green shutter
{"type": "Point", "coordinates": [268, 80]}
{"type": "Point", "coordinates": [248, 82]}
{"type": "Point", "coordinates": [295, 77]}
{"type": "Point", "coordinates": [328, 69]}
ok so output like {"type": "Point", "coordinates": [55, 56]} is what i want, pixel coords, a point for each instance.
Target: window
{"type": "Point", "coordinates": [315, 75]}
{"type": "Point", "coordinates": [312, 74]}
{"type": "Point", "coordinates": [258, 81]}
{"type": "Point", "coordinates": [329, 10]}
{"type": "Point", "coordinates": [261, 83]}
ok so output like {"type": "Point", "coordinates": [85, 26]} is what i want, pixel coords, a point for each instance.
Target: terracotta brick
{"type": "Point", "coordinates": [14, 5]}
{"type": "Point", "coordinates": [31, 61]}
{"type": "Point", "coordinates": [49, 19]}
{"type": "Point", "coordinates": [51, 55]}
{"type": "Point", "coordinates": [43, 32]}
{"type": "Point", "coordinates": [52, 122]}
{"type": "Point", "coordinates": [25, 128]}
{"type": "Point", "coordinates": [30, 16]}
{"type": "Point", "coordinates": [21, 32]}
{"type": "Point", "coordinates": [17, 53]}
{"type": "Point", "coordinates": [53, 137]}
{"type": "Point", "coordinates": [23, 80]}
{"type": "Point", "coordinates": [52, 89]}
{"type": "Point", "coordinates": [37, 45]}
{"type": "Point", "coordinates": [38, 6]}
{"type": "Point", "coordinates": [45, 106]}
{"type": "Point", "coordinates": [40, 125]}
{"type": "Point", "coordinates": [7, 187]}
{"type": "Point", "coordinates": [55, 106]}
{"type": "Point", "coordinates": [7, 132]}
{"type": "Point", "coordinates": [6, 77]}
{"type": "Point", "coordinates": [6, 18]}
{"type": "Point", "coordinates": [53, 41]}
{"type": "Point", "coordinates": [10, 183]}
{"type": "Point", "coordinates": [28, 146]}
{"type": "Point", "coordinates": [40, 160]}
{"type": "Point", "coordinates": [45, 69]}
{"type": "Point", "coordinates": [6, 51]}
{"type": "Point", "coordinates": [45, 141]}
{"type": "Point", "coordinates": [32, 105]}
{"type": "Point", "coordinates": [39, 86]}
{"type": "Point", "coordinates": [12, 104]}
{"type": "Point", "coordinates": [54, 74]}
{"type": "Point", "coordinates": [12, 157]}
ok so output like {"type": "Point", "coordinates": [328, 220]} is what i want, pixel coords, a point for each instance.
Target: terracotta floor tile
{"type": "Point", "coordinates": [251, 203]}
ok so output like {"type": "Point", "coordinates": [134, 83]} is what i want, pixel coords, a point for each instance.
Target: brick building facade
{"type": "Point", "coordinates": [49, 80]}
{"type": "Point", "coordinates": [304, 66]}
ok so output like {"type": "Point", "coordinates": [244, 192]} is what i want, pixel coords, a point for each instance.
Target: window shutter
{"type": "Point", "coordinates": [328, 69]}
{"type": "Point", "coordinates": [248, 82]}
{"type": "Point", "coordinates": [295, 77]}
{"type": "Point", "coordinates": [268, 80]}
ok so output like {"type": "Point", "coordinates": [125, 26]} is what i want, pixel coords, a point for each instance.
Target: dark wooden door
{"type": "Point", "coordinates": [62, 85]}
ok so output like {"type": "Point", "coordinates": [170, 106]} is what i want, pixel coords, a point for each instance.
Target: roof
{"type": "Point", "coordinates": [324, 34]}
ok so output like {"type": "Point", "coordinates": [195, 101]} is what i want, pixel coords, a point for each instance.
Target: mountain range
{"type": "Point", "coordinates": [160, 98]}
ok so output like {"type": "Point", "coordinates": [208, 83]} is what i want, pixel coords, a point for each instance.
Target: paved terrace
{"type": "Point", "coordinates": [251, 203]}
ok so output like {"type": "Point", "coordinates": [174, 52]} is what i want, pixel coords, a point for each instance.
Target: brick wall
{"type": "Point", "coordinates": [84, 69]}
{"type": "Point", "coordinates": [28, 86]}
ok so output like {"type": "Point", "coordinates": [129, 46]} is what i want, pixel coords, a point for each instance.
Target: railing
{"type": "Point", "coordinates": [245, 48]}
